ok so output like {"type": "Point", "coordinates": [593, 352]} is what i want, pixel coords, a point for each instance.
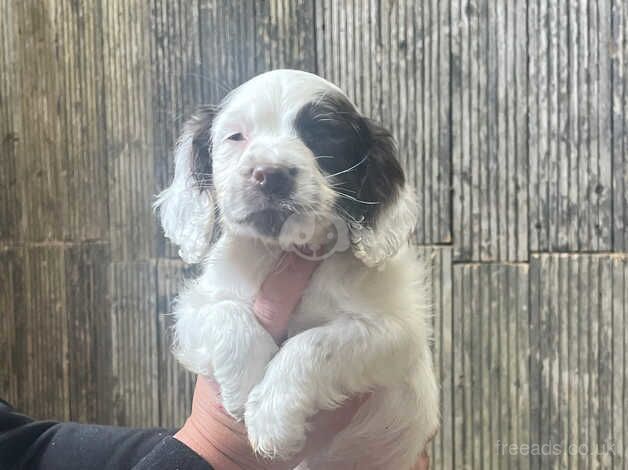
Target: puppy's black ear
{"type": "Point", "coordinates": [187, 207]}
{"type": "Point", "coordinates": [388, 201]}
{"type": "Point", "coordinates": [359, 158]}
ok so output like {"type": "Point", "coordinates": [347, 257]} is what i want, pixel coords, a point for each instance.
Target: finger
{"type": "Point", "coordinates": [281, 292]}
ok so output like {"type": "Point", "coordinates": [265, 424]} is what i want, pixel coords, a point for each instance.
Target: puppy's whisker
{"type": "Point", "coordinates": [346, 212]}
{"type": "Point", "coordinates": [347, 196]}
{"type": "Point", "coordinates": [353, 167]}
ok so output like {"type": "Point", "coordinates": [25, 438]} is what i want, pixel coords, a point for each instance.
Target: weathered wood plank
{"type": "Point", "coordinates": [10, 124]}
{"type": "Point", "coordinates": [54, 172]}
{"type": "Point", "coordinates": [129, 133]}
{"type": "Point", "coordinates": [80, 109]}
{"type": "Point", "coordinates": [40, 153]}
{"type": "Point", "coordinates": [570, 132]}
{"type": "Point", "coordinates": [176, 385]}
{"type": "Point", "coordinates": [389, 56]}
{"type": "Point", "coordinates": [619, 296]}
{"type": "Point", "coordinates": [227, 46]}
{"type": "Point", "coordinates": [285, 35]}
{"type": "Point", "coordinates": [619, 111]}
{"type": "Point", "coordinates": [135, 349]}
{"type": "Point", "coordinates": [89, 332]}
{"type": "Point", "coordinates": [489, 86]}
{"type": "Point", "coordinates": [491, 377]}
{"type": "Point", "coordinates": [46, 387]}
{"type": "Point", "coordinates": [580, 358]}
{"type": "Point", "coordinates": [12, 326]}
{"type": "Point", "coordinates": [437, 261]}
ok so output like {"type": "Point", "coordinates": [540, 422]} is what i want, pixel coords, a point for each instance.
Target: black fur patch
{"type": "Point", "coordinates": [356, 153]}
{"type": "Point", "coordinates": [199, 125]}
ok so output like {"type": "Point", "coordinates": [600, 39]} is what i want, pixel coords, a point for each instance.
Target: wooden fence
{"type": "Point", "coordinates": [512, 118]}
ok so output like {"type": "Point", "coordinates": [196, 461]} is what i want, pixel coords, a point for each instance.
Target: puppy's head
{"type": "Point", "coordinates": [287, 146]}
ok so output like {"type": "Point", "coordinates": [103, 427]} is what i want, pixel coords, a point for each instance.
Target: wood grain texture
{"type": "Point", "coordinates": [578, 308]}
{"type": "Point", "coordinates": [618, 50]}
{"type": "Point", "coordinates": [176, 385]}
{"type": "Point", "coordinates": [512, 123]}
{"type": "Point", "coordinates": [134, 327]}
{"type": "Point", "coordinates": [130, 156]}
{"type": "Point", "coordinates": [570, 140]}
{"type": "Point", "coordinates": [491, 345]}
{"type": "Point", "coordinates": [89, 330]}
{"type": "Point", "coordinates": [489, 129]}
{"type": "Point", "coordinates": [52, 73]}
{"type": "Point", "coordinates": [10, 125]}
{"type": "Point", "coordinates": [437, 262]}
{"type": "Point", "coordinates": [12, 325]}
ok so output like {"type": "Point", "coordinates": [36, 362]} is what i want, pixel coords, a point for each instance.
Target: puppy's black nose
{"type": "Point", "coordinates": [274, 181]}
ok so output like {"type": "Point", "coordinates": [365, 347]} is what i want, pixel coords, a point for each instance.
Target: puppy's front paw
{"type": "Point", "coordinates": [275, 430]}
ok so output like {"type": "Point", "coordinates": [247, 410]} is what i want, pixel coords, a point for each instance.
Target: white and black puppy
{"type": "Point", "coordinates": [288, 154]}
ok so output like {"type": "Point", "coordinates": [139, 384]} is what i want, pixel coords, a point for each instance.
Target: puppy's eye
{"type": "Point", "coordinates": [237, 137]}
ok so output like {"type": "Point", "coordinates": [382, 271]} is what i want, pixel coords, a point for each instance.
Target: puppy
{"type": "Point", "coordinates": [286, 162]}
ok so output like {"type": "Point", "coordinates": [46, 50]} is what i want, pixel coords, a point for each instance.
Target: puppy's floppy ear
{"type": "Point", "coordinates": [385, 226]}
{"type": "Point", "coordinates": [186, 207]}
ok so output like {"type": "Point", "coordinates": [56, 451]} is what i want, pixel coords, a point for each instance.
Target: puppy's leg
{"type": "Point", "coordinates": [318, 369]}
{"type": "Point", "coordinates": [390, 430]}
{"type": "Point", "coordinates": [224, 340]}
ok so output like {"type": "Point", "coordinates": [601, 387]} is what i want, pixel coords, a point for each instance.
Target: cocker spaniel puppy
{"type": "Point", "coordinates": [287, 162]}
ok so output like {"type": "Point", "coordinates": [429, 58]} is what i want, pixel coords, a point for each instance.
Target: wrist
{"type": "Point", "coordinates": [189, 436]}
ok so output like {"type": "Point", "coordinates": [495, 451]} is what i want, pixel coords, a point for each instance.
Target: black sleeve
{"type": "Point", "coordinates": [28, 444]}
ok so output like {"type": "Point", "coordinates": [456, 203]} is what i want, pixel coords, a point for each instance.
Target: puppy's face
{"type": "Point", "coordinates": [263, 170]}
{"type": "Point", "coordinates": [289, 146]}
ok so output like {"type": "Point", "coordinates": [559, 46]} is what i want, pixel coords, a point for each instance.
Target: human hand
{"type": "Point", "coordinates": [221, 440]}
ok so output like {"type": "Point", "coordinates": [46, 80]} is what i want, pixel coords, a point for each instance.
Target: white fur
{"type": "Point", "coordinates": [187, 215]}
{"type": "Point", "coordinates": [361, 326]}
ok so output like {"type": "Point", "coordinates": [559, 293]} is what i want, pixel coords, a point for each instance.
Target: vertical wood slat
{"type": "Point", "coordinates": [89, 332]}
{"type": "Point", "coordinates": [10, 124]}
{"type": "Point", "coordinates": [53, 175]}
{"type": "Point", "coordinates": [134, 343]}
{"type": "Point", "coordinates": [12, 325]}
{"type": "Point", "coordinates": [489, 86]}
{"type": "Point", "coordinates": [437, 262]}
{"type": "Point", "coordinates": [388, 57]}
{"type": "Point", "coordinates": [45, 387]}
{"type": "Point", "coordinates": [570, 123]}
{"type": "Point", "coordinates": [176, 385]}
{"type": "Point", "coordinates": [226, 62]}
{"type": "Point", "coordinates": [81, 114]}
{"type": "Point", "coordinates": [578, 357]}
{"type": "Point", "coordinates": [618, 49]}
{"type": "Point", "coordinates": [491, 344]}
{"type": "Point", "coordinates": [39, 146]}
{"type": "Point", "coordinates": [130, 144]}
{"type": "Point", "coordinates": [284, 31]}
